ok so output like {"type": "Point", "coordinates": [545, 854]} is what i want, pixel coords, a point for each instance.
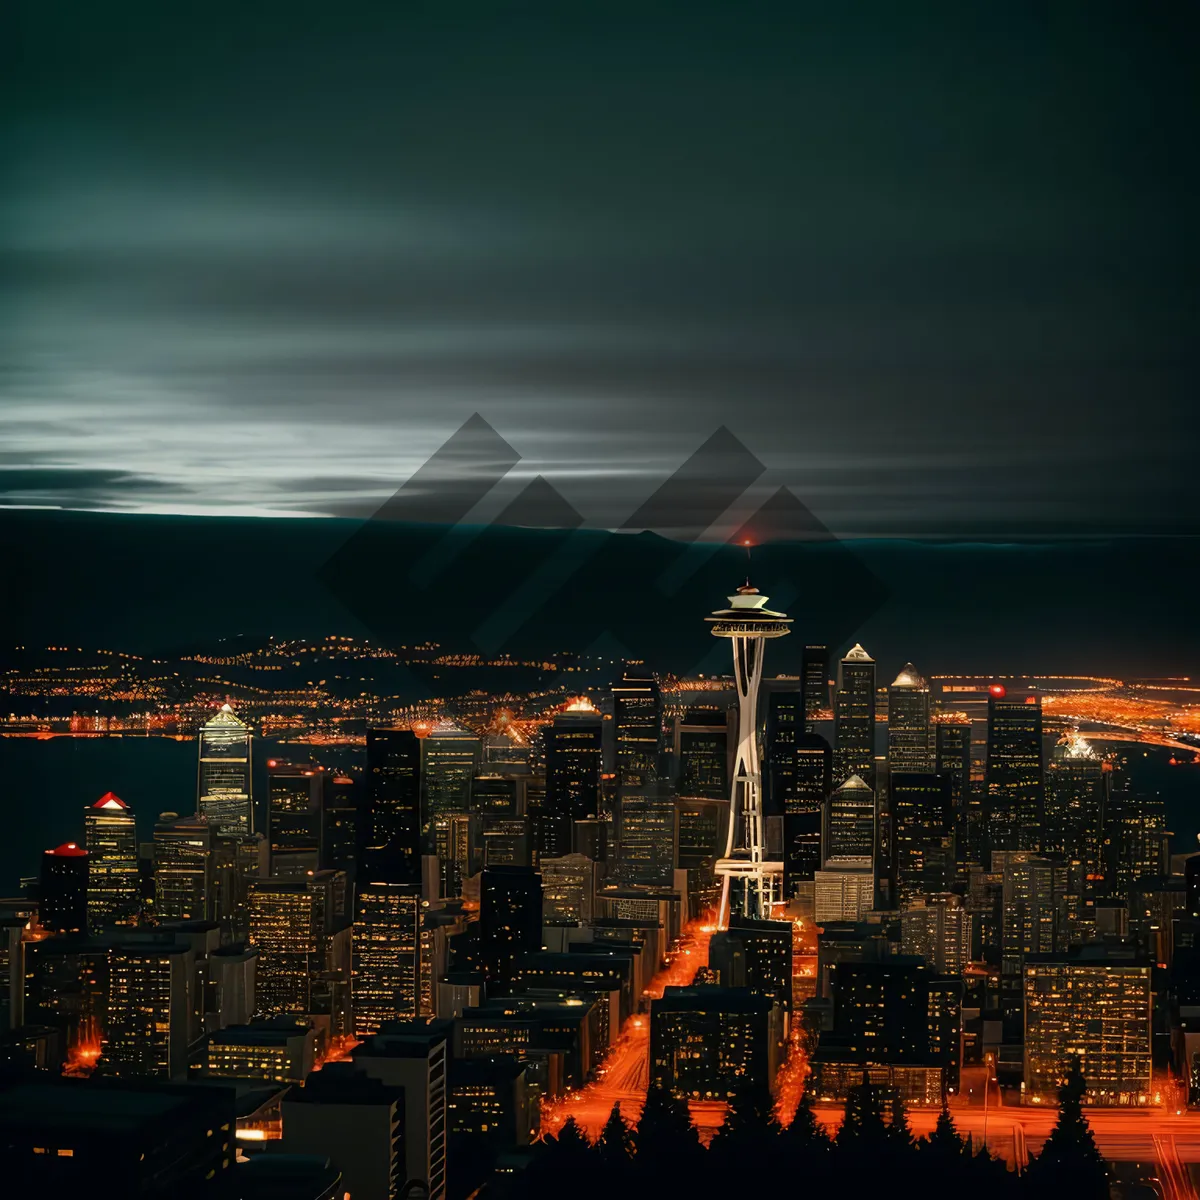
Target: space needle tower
{"type": "Point", "coordinates": [748, 623]}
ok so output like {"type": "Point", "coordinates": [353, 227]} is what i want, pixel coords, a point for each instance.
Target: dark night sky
{"type": "Point", "coordinates": [935, 265]}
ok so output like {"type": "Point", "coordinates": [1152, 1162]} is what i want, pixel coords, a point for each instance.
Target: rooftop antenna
{"type": "Point", "coordinates": [748, 543]}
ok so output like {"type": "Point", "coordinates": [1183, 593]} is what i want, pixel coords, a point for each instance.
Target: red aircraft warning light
{"type": "Point", "coordinates": [998, 690]}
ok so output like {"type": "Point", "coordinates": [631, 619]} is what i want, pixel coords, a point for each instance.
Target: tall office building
{"type": "Point", "coordinates": [303, 940]}
{"type": "Point", "coordinates": [785, 725]}
{"type": "Point", "coordinates": [910, 734]}
{"type": "Point", "coordinates": [224, 781]}
{"type": "Point", "coordinates": [1014, 770]}
{"type": "Point", "coordinates": [63, 901]}
{"type": "Point", "coordinates": [814, 683]}
{"type": "Point", "coordinates": [510, 922]}
{"type": "Point", "coordinates": [150, 1011]}
{"type": "Point", "coordinates": [1095, 1003]}
{"type": "Point", "coordinates": [568, 890]}
{"type": "Point", "coordinates": [389, 823]}
{"type": "Point", "coordinates": [573, 745]}
{"type": "Point", "coordinates": [713, 1042]}
{"type": "Point", "coordinates": [1136, 839]}
{"type": "Point", "coordinates": [1076, 793]}
{"type": "Point", "coordinates": [637, 728]}
{"type": "Point", "coordinates": [340, 839]}
{"type": "Point", "coordinates": [937, 929]}
{"type": "Point", "coordinates": [896, 1020]}
{"type": "Point", "coordinates": [952, 747]}
{"type": "Point", "coordinates": [110, 834]}
{"type": "Point", "coordinates": [183, 869]}
{"type": "Point", "coordinates": [415, 1056]}
{"type": "Point", "coordinates": [450, 757]}
{"type": "Point", "coordinates": [854, 718]}
{"type": "Point", "coordinates": [387, 955]}
{"type": "Point", "coordinates": [850, 822]}
{"type": "Point", "coordinates": [804, 811]}
{"type": "Point", "coordinates": [646, 835]}
{"type": "Point", "coordinates": [1032, 917]}
{"type": "Point", "coordinates": [295, 816]}
{"type": "Point", "coordinates": [843, 890]}
{"type": "Point", "coordinates": [702, 752]}
{"type": "Point", "coordinates": [922, 833]}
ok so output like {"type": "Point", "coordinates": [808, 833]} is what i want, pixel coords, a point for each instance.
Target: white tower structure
{"type": "Point", "coordinates": [748, 623]}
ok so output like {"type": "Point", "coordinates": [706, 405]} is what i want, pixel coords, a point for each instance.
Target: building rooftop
{"type": "Point", "coordinates": [100, 1106]}
{"type": "Point", "coordinates": [711, 996]}
{"type": "Point", "coordinates": [857, 654]}
{"type": "Point", "coordinates": [909, 677]}
{"type": "Point", "coordinates": [68, 850]}
{"type": "Point", "coordinates": [110, 800]}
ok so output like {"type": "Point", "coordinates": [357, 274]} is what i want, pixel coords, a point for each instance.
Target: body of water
{"type": "Point", "coordinates": [51, 782]}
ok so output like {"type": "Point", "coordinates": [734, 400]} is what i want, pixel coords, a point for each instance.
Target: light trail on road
{"type": "Point", "coordinates": [624, 1075]}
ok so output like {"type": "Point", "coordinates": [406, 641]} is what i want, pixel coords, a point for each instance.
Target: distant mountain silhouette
{"type": "Point", "coordinates": [159, 583]}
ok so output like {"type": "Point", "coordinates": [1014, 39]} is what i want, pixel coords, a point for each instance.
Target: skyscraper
{"type": "Point", "coordinates": [62, 905]}
{"type": "Point", "coordinates": [910, 735]}
{"type": "Point", "coordinates": [854, 718]}
{"type": "Point", "coordinates": [150, 1008]}
{"type": "Point", "coordinates": [637, 727]}
{"type": "Point", "coordinates": [510, 922]}
{"type": "Point", "coordinates": [224, 785]}
{"type": "Point", "coordinates": [110, 835]}
{"type": "Point", "coordinates": [183, 869]}
{"type": "Point", "coordinates": [340, 839]}
{"type": "Point", "coordinates": [1031, 920]}
{"type": "Point", "coordinates": [573, 745]}
{"type": "Point", "coordinates": [1014, 770]}
{"type": "Point", "coordinates": [804, 810]}
{"type": "Point", "coordinates": [952, 744]}
{"type": "Point", "coordinates": [785, 725]}
{"type": "Point", "coordinates": [450, 756]}
{"type": "Point", "coordinates": [850, 822]}
{"type": "Point", "coordinates": [387, 955]}
{"type": "Point", "coordinates": [646, 835]}
{"type": "Point", "coordinates": [922, 833]}
{"type": "Point", "coordinates": [1076, 791]}
{"type": "Point", "coordinates": [295, 816]}
{"type": "Point", "coordinates": [303, 942]}
{"type": "Point", "coordinates": [702, 751]}
{"type": "Point", "coordinates": [814, 683]}
{"type": "Point", "coordinates": [937, 929]}
{"type": "Point", "coordinates": [389, 825]}
{"type": "Point", "coordinates": [1096, 1003]}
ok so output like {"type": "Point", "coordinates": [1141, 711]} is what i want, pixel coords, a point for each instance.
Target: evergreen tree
{"type": "Point", "coordinates": [806, 1149]}
{"type": "Point", "coordinates": [863, 1121]}
{"type": "Point", "coordinates": [899, 1131]}
{"type": "Point", "coordinates": [568, 1155]}
{"type": "Point", "coordinates": [668, 1154]}
{"type": "Point", "coordinates": [749, 1134]}
{"type": "Point", "coordinates": [1070, 1157]}
{"type": "Point", "coordinates": [945, 1141]}
{"type": "Point", "coordinates": [806, 1129]}
{"type": "Point", "coordinates": [614, 1146]}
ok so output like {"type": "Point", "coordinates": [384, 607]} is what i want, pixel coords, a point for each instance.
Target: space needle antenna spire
{"type": "Point", "coordinates": [744, 871]}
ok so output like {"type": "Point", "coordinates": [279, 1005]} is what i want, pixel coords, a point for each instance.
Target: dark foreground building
{"type": "Point", "coordinates": [101, 1137]}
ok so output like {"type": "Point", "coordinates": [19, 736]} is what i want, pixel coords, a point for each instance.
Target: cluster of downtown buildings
{"type": "Point", "coordinates": [388, 982]}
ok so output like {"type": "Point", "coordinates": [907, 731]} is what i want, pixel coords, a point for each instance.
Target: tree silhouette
{"type": "Point", "coordinates": [899, 1131]}
{"type": "Point", "coordinates": [569, 1155]}
{"type": "Point", "coordinates": [1070, 1157]}
{"type": "Point", "coordinates": [863, 1120]}
{"type": "Point", "coordinates": [668, 1151]}
{"type": "Point", "coordinates": [945, 1141]}
{"type": "Point", "coordinates": [614, 1147]}
{"type": "Point", "coordinates": [749, 1134]}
